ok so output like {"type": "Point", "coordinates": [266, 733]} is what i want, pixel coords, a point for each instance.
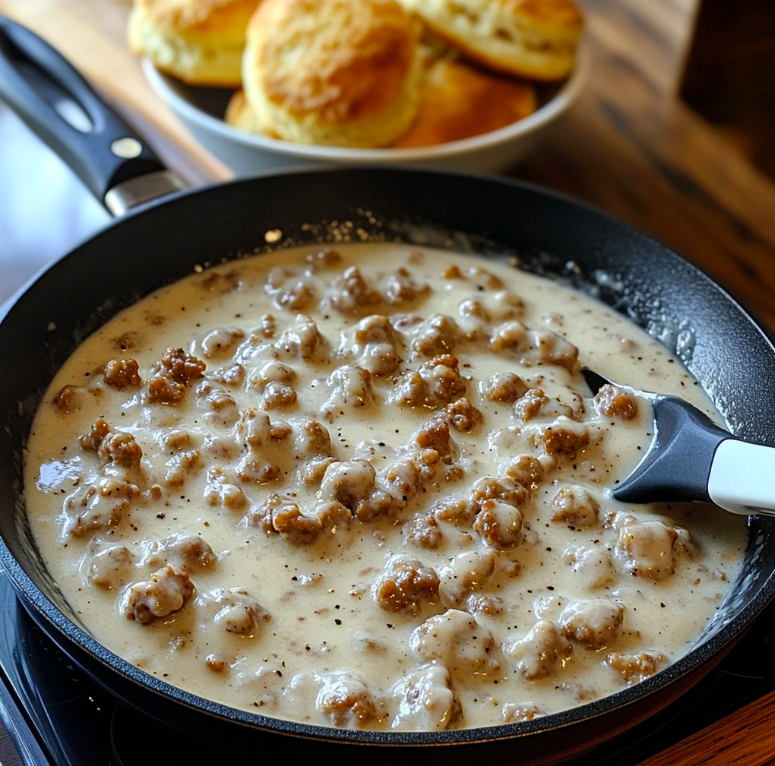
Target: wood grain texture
{"type": "Point", "coordinates": [729, 75]}
{"type": "Point", "coordinates": [743, 739]}
{"type": "Point", "coordinates": [632, 148]}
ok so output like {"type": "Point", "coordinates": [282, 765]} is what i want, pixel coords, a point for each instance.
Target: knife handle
{"type": "Point", "coordinates": [62, 110]}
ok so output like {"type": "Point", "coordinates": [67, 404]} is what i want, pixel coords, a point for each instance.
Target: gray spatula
{"type": "Point", "coordinates": [691, 458]}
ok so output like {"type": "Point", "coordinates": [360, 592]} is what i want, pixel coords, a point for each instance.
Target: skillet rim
{"type": "Point", "coordinates": [684, 667]}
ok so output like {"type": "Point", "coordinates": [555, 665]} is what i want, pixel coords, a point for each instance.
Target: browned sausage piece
{"type": "Point", "coordinates": [120, 373]}
{"type": "Point", "coordinates": [182, 551]}
{"type": "Point", "coordinates": [111, 567]}
{"type": "Point", "coordinates": [593, 565]}
{"type": "Point", "coordinates": [66, 399]}
{"type": "Point", "coordinates": [351, 291]}
{"type": "Point", "coordinates": [323, 259]}
{"type": "Point", "coordinates": [353, 484]}
{"type": "Point", "coordinates": [404, 585]}
{"type": "Point", "coordinates": [121, 449]}
{"type": "Point", "coordinates": [530, 405]}
{"type": "Point", "coordinates": [232, 375]}
{"type": "Point", "coordinates": [560, 440]}
{"type": "Point", "coordinates": [510, 336]}
{"type": "Point", "coordinates": [426, 701]}
{"type": "Point", "coordinates": [504, 387]}
{"type": "Point", "coordinates": [434, 384]}
{"type": "Point", "coordinates": [399, 287]}
{"type": "Point", "coordinates": [504, 489]}
{"type": "Point", "coordinates": [346, 701]}
{"type": "Point", "coordinates": [423, 531]}
{"type": "Point", "coordinates": [554, 349]}
{"type": "Point", "coordinates": [220, 491]}
{"type": "Point", "coordinates": [182, 466]}
{"type": "Point", "coordinates": [575, 506]}
{"type": "Point", "coordinates": [408, 475]}
{"type": "Point", "coordinates": [435, 336]}
{"type": "Point", "coordinates": [634, 668]}
{"type": "Point", "coordinates": [294, 295]}
{"type": "Point", "coordinates": [221, 341]}
{"type": "Point", "coordinates": [499, 524]}
{"type": "Point", "coordinates": [373, 344]}
{"type": "Point", "coordinates": [100, 428]}
{"type": "Point", "coordinates": [166, 592]}
{"type": "Point", "coordinates": [466, 573]}
{"type": "Point", "coordinates": [272, 372]}
{"type": "Point", "coordinates": [278, 395]}
{"type": "Point", "coordinates": [480, 604]}
{"type": "Point", "coordinates": [179, 366]}
{"type": "Point", "coordinates": [302, 339]}
{"type": "Point", "coordinates": [171, 376]}
{"type": "Point", "coordinates": [647, 549]}
{"type": "Point", "coordinates": [434, 435]}
{"type": "Point", "coordinates": [540, 653]}
{"type": "Point", "coordinates": [234, 610]}
{"type": "Point", "coordinates": [462, 415]}
{"type": "Point", "coordinates": [615, 402]}
{"type": "Point", "coordinates": [351, 388]}
{"type": "Point", "coordinates": [455, 510]}
{"type": "Point", "coordinates": [455, 640]}
{"type": "Point", "coordinates": [98, 506]}
{"type": "Point", "coordinates": [515, 712]}
{"type": "Point", "coordinates": [593, 623]}
{"type": "Point", "coordinates": [526, 470]}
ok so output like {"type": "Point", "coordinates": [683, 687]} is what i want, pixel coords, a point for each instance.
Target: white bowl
{"type": "Point", "coordinates": [201, 111]}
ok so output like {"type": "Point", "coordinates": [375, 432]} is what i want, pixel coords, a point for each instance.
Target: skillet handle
{"type": "Point", "coordinates": [64, 111]}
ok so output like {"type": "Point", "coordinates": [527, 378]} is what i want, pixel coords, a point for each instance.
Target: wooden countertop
{"type": "Point", "coordinates": [628, 146]}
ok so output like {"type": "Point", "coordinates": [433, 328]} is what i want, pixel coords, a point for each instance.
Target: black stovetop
{"type": "Point", "coordinates": [76, 723]}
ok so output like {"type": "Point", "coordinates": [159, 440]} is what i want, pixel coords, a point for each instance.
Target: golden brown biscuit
{"type": "Point", "coordinates": [198, 41]}
{"type": "Point", "coordinates": [528, 38]}
{"type": "Point", "coordinates": [460, 101]}
{"type": "Point", "coordinates": [333, 72]}
{"type": "Point", "coordinates": [240, 115]}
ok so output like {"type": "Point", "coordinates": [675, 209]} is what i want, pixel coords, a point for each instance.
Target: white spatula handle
{"type": "Point", "coordinates": [742, 478]}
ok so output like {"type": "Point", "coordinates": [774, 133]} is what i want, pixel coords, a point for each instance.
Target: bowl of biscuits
{"type": "Point", "coordinates": [267, 84]}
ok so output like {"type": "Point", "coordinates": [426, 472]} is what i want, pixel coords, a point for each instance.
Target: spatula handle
{"type": "Point", "coordinates": [742, 478]}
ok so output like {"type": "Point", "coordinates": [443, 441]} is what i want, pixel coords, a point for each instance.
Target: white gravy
{"type": "Point", "coordinates": [379, 587]}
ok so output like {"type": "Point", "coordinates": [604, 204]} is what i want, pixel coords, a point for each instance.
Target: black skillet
{"type": "Point", "coordinates": [165, 239]}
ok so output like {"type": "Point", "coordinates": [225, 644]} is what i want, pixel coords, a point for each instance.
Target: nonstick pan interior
{"type": "Point", "coordinates": [731, 357]}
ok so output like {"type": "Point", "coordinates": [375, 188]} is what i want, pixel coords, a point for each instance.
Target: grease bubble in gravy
{"type": "Point", "coordinates": [366, 488]}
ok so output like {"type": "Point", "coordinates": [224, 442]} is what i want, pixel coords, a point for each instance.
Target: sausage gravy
{"type": "Point", "coordinates": [366, 488]}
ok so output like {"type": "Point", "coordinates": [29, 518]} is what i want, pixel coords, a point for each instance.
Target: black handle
{"type": "Point", "coordinates": [36, 82]}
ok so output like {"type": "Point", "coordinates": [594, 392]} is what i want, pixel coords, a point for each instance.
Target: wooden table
{"type": "Point", "coordinates": [628, 146]}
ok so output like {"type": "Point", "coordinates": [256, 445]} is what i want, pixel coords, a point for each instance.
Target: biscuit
{"type": "Point", "coordinates": [333, 72]}
{"type": "Point", "coordinates": [197, 41]}
{"type": "Point", "coordinates": [239, 114]}
{"type": "Point", "coordinates": [536, 39]}
{"type": "Point", "coordinates": [460, 101]}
